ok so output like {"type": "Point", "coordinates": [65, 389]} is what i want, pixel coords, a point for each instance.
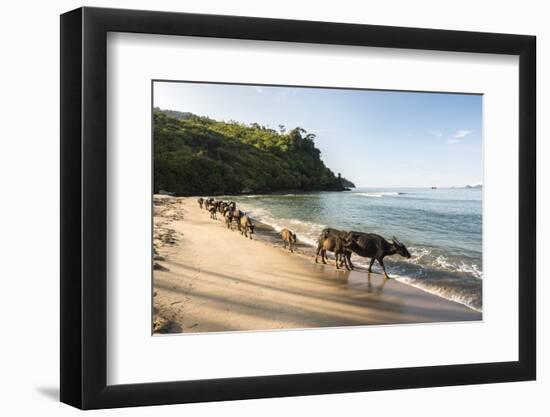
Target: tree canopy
{"type": "Point", "coordinates": [196, 155]}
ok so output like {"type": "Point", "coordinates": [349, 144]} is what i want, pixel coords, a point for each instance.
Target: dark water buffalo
{"type": "Point", "coordinates": [213, 211]}
{"type": "Point", "coordinates": [371, 245]}
{"type": "Point", "coordinates": [228, 215]}
{"type": "Point", "coordinates": [247, 227]}
{"type": "Point", "coordinates": [288, 238]}
{"type": "Point", "coordinates": [208, 203]}
{"type": "Point", "coordinates": [222, 206]}
{"type": "Point", "coordinates": [200, 201]}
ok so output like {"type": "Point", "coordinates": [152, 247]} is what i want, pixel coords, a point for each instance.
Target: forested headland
{"type": "Point", "coordinates": [195, 155]}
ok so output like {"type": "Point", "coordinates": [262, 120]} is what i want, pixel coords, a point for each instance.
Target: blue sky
{"type": "Point", "coordinates": [374, 138]}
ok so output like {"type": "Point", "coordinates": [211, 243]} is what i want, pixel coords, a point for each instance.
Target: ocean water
{"type": "Point", "coordinates": [442, 228]}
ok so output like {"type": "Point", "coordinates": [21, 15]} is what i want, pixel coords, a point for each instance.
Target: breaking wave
{"type": "Point", "coordinates": [378, 194]}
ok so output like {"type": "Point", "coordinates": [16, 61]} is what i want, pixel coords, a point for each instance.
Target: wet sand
{"type": "Point", "coordinates": [210, 279]}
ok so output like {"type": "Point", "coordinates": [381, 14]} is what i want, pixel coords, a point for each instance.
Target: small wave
{"type": "Point", "coordinates": [443, 263]}
{"type": "Point", "coordinates": [307, 232]}
{"type": "Point", "coordinates": [418, 253]}
{"type": "Point", "coordinates": [378, 194]}
{"type": "Point", "coordinates": [472, 301]}
{"type": "Point", "coordinates": [424, 257]}
{"type": "Point", "coordinates": [470, 269]}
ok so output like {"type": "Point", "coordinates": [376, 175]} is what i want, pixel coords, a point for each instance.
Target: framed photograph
{"type": "Point", "coordinates": [258, 208]}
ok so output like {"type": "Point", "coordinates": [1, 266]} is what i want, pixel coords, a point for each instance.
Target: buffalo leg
{"type": "Point", "coordinates": [370, 265]}
{"type": "Point", "coordinates": [346, 260]}
{"type": "Point", "coordinates": [343, 260]}
{"type": "Point", "coordinates": [348, 257]}
{"type": "Point", "coordinates": [317, 253]}
{"type": "Point", "coordinates": [381, 262]}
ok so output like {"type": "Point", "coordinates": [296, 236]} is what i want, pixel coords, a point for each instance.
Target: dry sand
{"type": "Point", "coordinates": [210, 279]}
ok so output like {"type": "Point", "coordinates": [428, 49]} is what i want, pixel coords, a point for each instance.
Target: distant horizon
{"type": "Point", "coordinates": [442, 186]}
{"type": "Point", "coordinates": [404, 139]}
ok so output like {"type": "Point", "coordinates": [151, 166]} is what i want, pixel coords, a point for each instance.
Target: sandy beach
{"type": "Point", "coordinates": [210, 279]}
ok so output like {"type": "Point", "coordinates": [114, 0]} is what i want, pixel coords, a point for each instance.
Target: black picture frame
{"type": "Point", "coordinates": [84, 207]}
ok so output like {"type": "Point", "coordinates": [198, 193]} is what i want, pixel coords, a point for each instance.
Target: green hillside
{"type": "Point", "coordinates": [196, 155]}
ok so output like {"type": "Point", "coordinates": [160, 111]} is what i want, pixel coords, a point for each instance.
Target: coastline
{"type": "Point", "coordinates": [210, 279]}
{"type": "Point", "coordinates": [252, 193]}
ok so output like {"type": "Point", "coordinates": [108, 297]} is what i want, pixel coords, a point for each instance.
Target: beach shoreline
{"type": "Point", "coordinates": [208, 278]}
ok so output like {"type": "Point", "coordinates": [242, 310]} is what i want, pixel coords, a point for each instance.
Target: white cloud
{"type": "Point", "coordinates": [458, 136]}
{"type": "Point", "coordinates": [461, 133]}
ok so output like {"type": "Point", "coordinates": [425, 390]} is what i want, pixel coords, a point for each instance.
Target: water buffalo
{"type": "Point", "coordinates": [208, 202]}
{"type": "Point", "coordinates": [223, 209]}
{"type": "Point", "coordinates": [228, 215]}
{"type": "Point", "coordinates": [222, 205]}
{"type": "Point", "coordinates": [212, 211]}
{"type": "Point", "coordinates": [216, 205]}
{"type": "Point", "coordinates": [200, 201]}
{"type": "Point", "coordinates": [228, 206]}
{"type": "Point", "coordinates": [333, 244]}
{"type": "Point", "coordinates": [237, 214]}
{"type": "Point", "coordinates": [288, 238]}
{"type": "Point", "coordinates": [371, 245]}
{"type": "Point", "coordinates": [247, 227]}
{"type": "Point", "coordinates": [345, 257]}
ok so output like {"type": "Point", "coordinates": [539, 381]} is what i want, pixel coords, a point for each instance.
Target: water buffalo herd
{"type": "Point", "coordinates": [341, 243]}
{"type": "Point", "coordinates": [233, 217]}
